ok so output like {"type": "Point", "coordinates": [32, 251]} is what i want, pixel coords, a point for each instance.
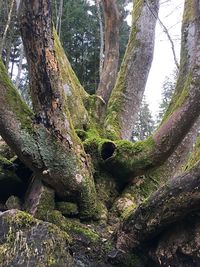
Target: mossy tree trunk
{"type": "Point", "coordinates": [46, 141]}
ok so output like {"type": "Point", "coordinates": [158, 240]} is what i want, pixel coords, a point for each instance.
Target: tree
{"type": "Point", "coordinates": [145, 124]}
{"type": "Point", "coordinates": [167, 92]}
{"type": "Point", "coordinates": [80, 37]}
{"type": "Point", "coordinates": [77, 156]}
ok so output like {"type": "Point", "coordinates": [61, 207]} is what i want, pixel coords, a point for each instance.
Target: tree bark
{"type": "Point", "coordinates": [7, 26]}
{"type": "Point", "coordinates": [127, 94]}
{"type": "Point", "coordinates": [169, 204]}
{"type": "Point", "coordinates": [111, 53]}
{"type": "Point", "coordinates": [75, 95]}
{"type": "Point", "coordinates": [179, 118]}
{"type": "Point", "coordinates": [101, 54]}
{"type": "Point", "coordinates": [48, 144]}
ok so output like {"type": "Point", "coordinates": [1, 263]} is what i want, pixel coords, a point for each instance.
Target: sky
{"type": "Point", "coordinates": [163, 63]}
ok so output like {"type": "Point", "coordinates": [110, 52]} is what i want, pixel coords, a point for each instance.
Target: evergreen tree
{"type": "Point", "coordinates": [145, 123]}
{"type": "Point", "coordinates": [167, 92]}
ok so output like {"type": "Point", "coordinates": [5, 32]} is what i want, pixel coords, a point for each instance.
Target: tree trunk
{"type": "Point", "coordinates": [182, 113]}
{"type": "Point", "coordinates": [111, 53]}
{"type": "Point", "coordinates": [19, 71]}
{"type": "Point", "coordinates": [127, 95]}
{"type": "Point", "coordinates": [56, 154]}
{"type": "Point", "coordinates": [101, 54]}
{"type": "Point", "coordinates": [45, 140]}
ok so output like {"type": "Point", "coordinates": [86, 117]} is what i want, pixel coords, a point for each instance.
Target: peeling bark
{"type": "Point", "coordinates": [46, 142]}
{"type": "Point", "coordinates": [62, 167]}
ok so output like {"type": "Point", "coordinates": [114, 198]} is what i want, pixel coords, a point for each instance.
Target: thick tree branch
{"type": "Point", "coordinates": [111, 53]}
{"type": "Point", "coordinates": [16, 122]}
{"type": "Point", "coordinates": [179, 118]}
{"type": "Point", "coordinates": [127, 94]}
{"type": "Point", "coordinates": [45, 84]}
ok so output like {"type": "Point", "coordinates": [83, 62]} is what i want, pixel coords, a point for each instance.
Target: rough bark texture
{"type": "Point", "coordinates": [46, 142]}
{"type": "Point", "coordinates": [111, 53]}
{"type": "Point", "coordinates": [170, 203]}
{"type": "Point", "coordinates": [127, 95]}
{"type": "Point", "coordinates": [74, 92]}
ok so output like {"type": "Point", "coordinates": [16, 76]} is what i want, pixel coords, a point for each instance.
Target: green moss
{"type": "Point", "coordinates": [46, 204]}
{"type": "Point", "coordinates": [189, 11]}
{"type": "Point", "coordinates": [22, 220]}
{"type": "Point", "coordinates": [67, 208]}
{"type": "Point", "coordinates": [89, 207]}
{"type": "Point", "coordinates": [41, 242]}
{"type": "Point", "coordinates": [180, 96]}
{"type": "Point", "coordinates": [71, 226]}
{"type": "Point", "coordinates": [74, 92]}
{"type": "Point", "coordinates": [194, 157]}
{"type": "Point", "coordinates": [129, 157]}
{"type": "Point", "coordinates": [18, 106]}
{"type": "Point", "coordinates": [5, 162]}
{"type": "Point", "coordinates": [126, 213]}
{"type": "Point", "coordinates": [81, 134]}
